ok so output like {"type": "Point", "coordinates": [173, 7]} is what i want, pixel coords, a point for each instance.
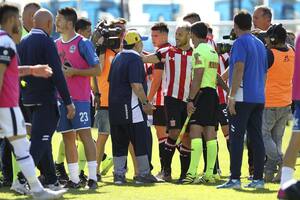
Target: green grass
{"type": "Point", "coordinates": [168, 191]}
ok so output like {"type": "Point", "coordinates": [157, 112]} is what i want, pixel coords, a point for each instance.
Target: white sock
{"type": "Point", "coordinates": [287, 174]}
{"type": "Point", "coordinates": [26, 163]}
{"type": "Point", "coordinates": [92, 165]}
{"type": "Point", "coordinates": [74, 172]}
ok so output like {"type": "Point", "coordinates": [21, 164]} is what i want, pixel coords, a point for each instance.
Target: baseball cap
{"type": "Point", "coordinates": [132, 37]}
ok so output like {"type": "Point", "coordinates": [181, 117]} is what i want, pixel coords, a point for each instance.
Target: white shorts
{"type": "Point", "coordinates": [12, 122]}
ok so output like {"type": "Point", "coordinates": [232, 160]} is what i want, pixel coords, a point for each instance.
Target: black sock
{"type": "Point", "coordinates": [204, 153]}
{"type": "Point", "coordinates": [217, 167]}
{"type": "Point", "coordinates": [185, 159]}
{"type": "Point", "coordinates": [161, 146]}
{"type": "Point", "coordinates": [104, 156]}
{"type": "Point", "coordinates": [169, 150]}
{"type": "Point", "coordinates": [228, 145]}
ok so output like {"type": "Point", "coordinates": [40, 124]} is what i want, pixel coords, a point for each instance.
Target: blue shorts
{"type": "Point", "coordinates": [82, 119]}
{"type": "Point", "coordinates": [296, 120]}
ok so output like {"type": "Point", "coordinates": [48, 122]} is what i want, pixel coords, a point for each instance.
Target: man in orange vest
{"type": "Point", "coordinates": [278, 99]}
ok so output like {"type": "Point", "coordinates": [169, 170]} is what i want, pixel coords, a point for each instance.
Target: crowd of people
{"type": "Point", "coordinates": [189, 88]}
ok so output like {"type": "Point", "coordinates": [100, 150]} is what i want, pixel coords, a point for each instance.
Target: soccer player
{"type": "Point", "coordinates": [202, 103]}
{"type": "Point", "coordinates": [178, 76]}
{"type": "Point", "coordinates": [159, 35]}
{"type": "Point", "coordinates": [11, 119]}
{"type": "Point", "coordinates": [79, 63]}
{"type": "Point", "coordinates": [290, 157]}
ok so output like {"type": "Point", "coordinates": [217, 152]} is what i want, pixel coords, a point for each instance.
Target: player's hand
{"type": "Point", "coordinates": [97, 101]}
{"type": "Point", "coordinates": [231, 106]}
{"type": "Point", "coordinates": [68, 71]}
{"type": "Point", "coordinates": [43, 71]}
{"type": "Point", "coordinates": [148, 108]}
{"type": "Point", "coordinates": [71, 111]}
{"type": "Point", "coordinates": [190, 108]}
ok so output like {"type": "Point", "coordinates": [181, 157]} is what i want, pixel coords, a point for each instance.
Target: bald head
{"type": "Point", "coordinates": [27, 15]}
{"type": "Point", "coordinates": [43, 19]}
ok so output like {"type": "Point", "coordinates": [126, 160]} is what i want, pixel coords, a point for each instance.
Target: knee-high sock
{"type": "Point", "coordinates": [169, 150]}
{"type": "Point", "coordinates": [196, 146]}
{"type": "Point", "coordinates": [81, 156]}
{"type": "Point", "coordinates": [61, 153]}
{"type": "Point", "coordinates": [204, 150]}
{"type": "Point", "coordinates": [185, 159]}
{"type": "Point", "coordinates": [211, 156]}
{"type": "Point", "coordinates": [217, 166]}
{"type": "Point", "coordinates": [161, 147]}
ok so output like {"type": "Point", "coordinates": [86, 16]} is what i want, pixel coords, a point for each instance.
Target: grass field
{"type": "Point", "coordinates": [169, 191]}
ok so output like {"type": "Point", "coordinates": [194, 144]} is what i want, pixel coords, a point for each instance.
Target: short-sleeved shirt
{"type": "Point", "coordinates": [123, 104]}
{"type": "Point", "coordinates": [204, 56]}
{"type": "Point", "coordinates": [252, 52]}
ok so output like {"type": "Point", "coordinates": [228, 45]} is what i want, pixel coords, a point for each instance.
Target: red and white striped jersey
{"type": "Point", "coordinates": [158, 99]}
{"type": "Point", "coordinates": [221, 69]}
{"type": "Point", "coordinates": [178, 69]}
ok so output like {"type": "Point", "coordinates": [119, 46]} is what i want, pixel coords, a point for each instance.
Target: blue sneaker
{"type": "Point", "coordinates": [258, 184]}
{"type": "Point", "coordinates": [231, 183]}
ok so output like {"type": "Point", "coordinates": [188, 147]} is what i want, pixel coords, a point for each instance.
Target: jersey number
{"type": "Point", "coordinates": [83, 117]}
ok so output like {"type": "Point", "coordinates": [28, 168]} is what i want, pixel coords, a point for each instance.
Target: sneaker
{"type": "Point", "coordinates": [55, 187]}
{"type": "Point", "coordinates": [231, 183]}
{"type": "Point", "coordinates": [250, 178]}
{"type": "Point", "coordinates": [189, 179]}
{"type": "Point", "coordinates": [48, 194]}
{"type": "Point", "coordinates": [147, 178]}
{"type": "Point", "coordinates": [106, 165]}
{"type": "Point", "coordinates": [70, 184]}
{"type": "Point", "coordinates": [20, 188]}
{"type": "Point", "coordinates": [61, 173]}
{"type": "Point", "coordinates": [92, 184]}
{"type": "Point", "coordinates": [281, 195]}
{"type": "Point", "coordinates": [119, 179]}
{"type": "Point", "coordinates": [180, 180]}
{"type": "Point", "coordinates": [167, 176]}
{"type": "Point", "coordinates": [83, 178]}
{"type": "Point", "coordinates": [258, 184]}
{"type": "Point", "coordinates": [159, 175]}
{"type": "Point", "coordinates": [99, 178]}
{"type": "Point", "coordinates": [206, 179]}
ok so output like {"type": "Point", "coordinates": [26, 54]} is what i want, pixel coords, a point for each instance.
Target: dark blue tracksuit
{"type": "Point", "coordinates": [40, 95]}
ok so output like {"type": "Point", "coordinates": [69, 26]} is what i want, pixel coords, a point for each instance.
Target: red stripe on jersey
{"type": "Point", "coordinates": [182, 74]}
{"type": "Point", "coordinates": [172, 72]}
{"type": "Point", "coordinates": [220, 91]}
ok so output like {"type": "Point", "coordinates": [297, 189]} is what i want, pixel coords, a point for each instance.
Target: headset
{"type": "Point", "coordinates": [272, 35]}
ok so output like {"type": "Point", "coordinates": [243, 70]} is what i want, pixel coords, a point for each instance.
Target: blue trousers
{"type": "Point", "coordinates": [248, 117]}
{"type": "Point", "coordinates": [44, 123]}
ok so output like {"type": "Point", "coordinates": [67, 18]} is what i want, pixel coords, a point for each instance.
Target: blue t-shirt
{"type": "Point", "coordinates": [252, 52]}
{"type": "Point", "coordinates": [88, 52]}
{"type": "Point", "coordinates": [124, 107]}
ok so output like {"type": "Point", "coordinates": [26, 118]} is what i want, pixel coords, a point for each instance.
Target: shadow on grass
{"type": "Point", "coordinates": [256, 191]}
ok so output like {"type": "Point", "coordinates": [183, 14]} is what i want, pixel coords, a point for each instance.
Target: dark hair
{"type": "Point", "coordinates": [69, 14]}
{"type": "Point", "coordinates": [277, 33]}
{"type": "Point", "coordinates": [199, 29]}
{"type": "Point", "coordinates": [128, 47]}
{"type": "Point", "coordinates": [161, 27]}
{"type": "Point", "coordinates": [82, 24]}
{"type": "Point", "coordinates": [266, 11]}
{"type": "Point", "coordinates": [194, 15]}
{"type": "Point", "coordinates": [7, 11]}
{"type": "Point", "coordinates": [32, 4]}
{"type": "Point", "coordinates": [243, 20]}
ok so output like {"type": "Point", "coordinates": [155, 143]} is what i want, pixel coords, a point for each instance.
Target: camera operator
{"type": "Point", "coordinates": [278, 99]}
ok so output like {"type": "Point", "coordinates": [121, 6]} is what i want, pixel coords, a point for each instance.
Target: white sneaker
{"type": "Point", "coordinates": [48, 194]}
{"type": "Point", "coordinates": [20, 188]}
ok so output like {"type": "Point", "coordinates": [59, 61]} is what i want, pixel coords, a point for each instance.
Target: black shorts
{"type": "Point", "coordinates": [223, 115]}
{"type": "Point", "coordinates": [159, 116]}
{"type": "Point", "coordinates": [206, 113]}
{"type": "Point", "coordinates": [176, 113]}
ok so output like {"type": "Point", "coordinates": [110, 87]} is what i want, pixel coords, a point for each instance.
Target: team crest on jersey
{"type": "Point", "coordinates": [72, 49]}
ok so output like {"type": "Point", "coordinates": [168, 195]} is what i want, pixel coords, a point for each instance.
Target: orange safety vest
{"type": "Point", "coordinates": [279, 79]}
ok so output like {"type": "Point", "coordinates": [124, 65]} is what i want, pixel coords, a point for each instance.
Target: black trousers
{"type": "Point", "coordinates": [6, 160]}
{"type": "Point", "coordinates": [248, 117]}
{"type": "Point", "coordinates": [44, 123]}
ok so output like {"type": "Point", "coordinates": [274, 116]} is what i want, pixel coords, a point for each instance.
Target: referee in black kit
{"type": "Point", "coordinates": [128, 106]}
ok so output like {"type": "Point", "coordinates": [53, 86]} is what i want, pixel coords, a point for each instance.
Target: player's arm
{"type": "Point", "coordinates": [156, 81]}
{"type": "Point", "coordinates": [2, 70]}
{"type": "Point", "coordinates": [222, 83]}
{"type": "Point", "coordinates": [151, 58]}
{"type": "Point", "coordinates": [43, 71]}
